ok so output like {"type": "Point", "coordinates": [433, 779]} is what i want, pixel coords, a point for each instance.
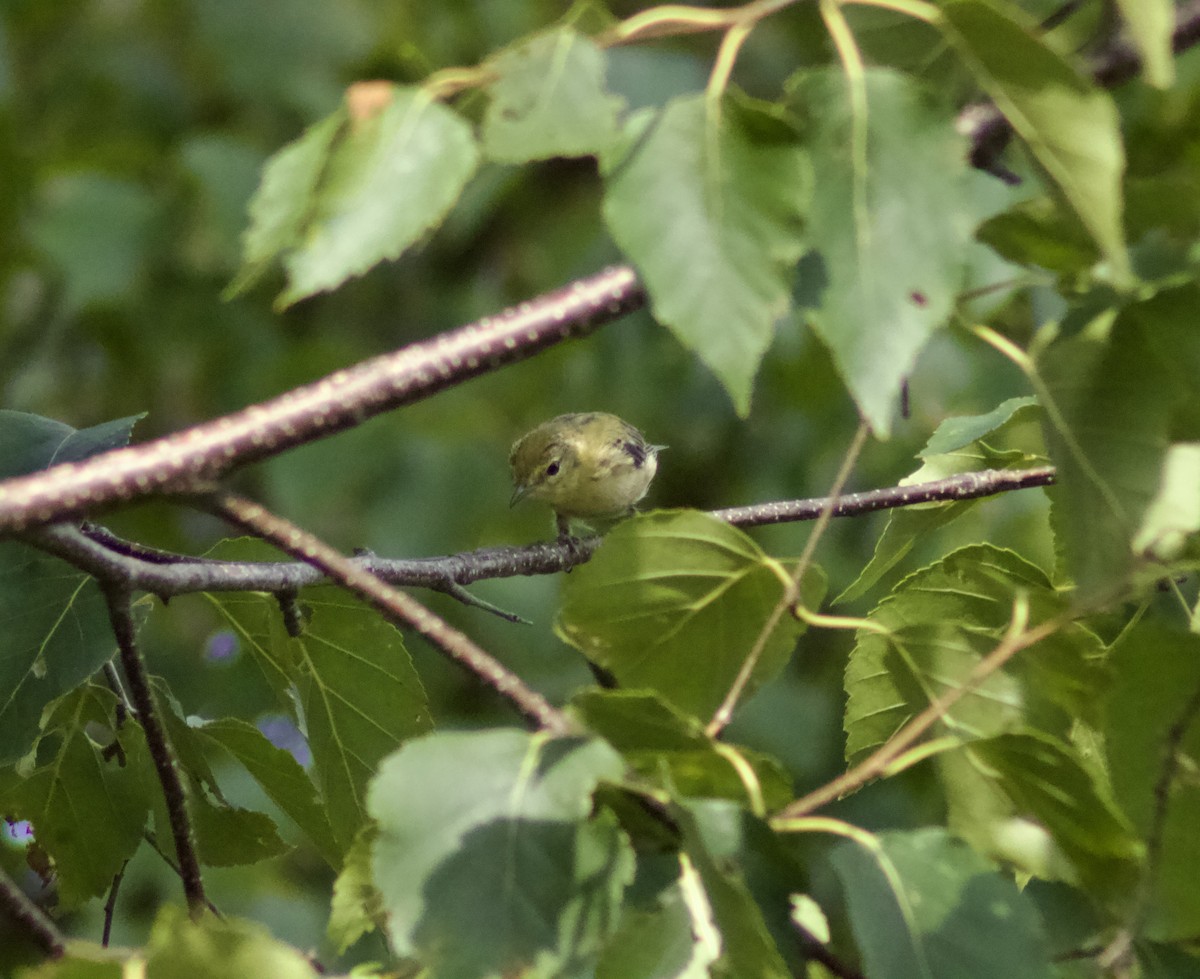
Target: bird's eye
{"type": "Point", "coordinates": [552, 469]}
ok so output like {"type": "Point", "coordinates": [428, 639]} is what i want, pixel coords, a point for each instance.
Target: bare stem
{"type": "Point", "coordinates": [399, 608]}
{"type": "Point", "coordinates": [142, 698]}
{"type": "Point", "coordinates": [34, 920]}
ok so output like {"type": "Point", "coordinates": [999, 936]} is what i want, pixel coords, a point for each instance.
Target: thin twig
{"type": "Point", "coordinates": [142, 698]}
{"type": "Point", "coordinates": [36, 923]}
{"type": "Point", "coordinates": [399, 608]}
{"type": "Point", "coordinates": [152, 842]}
{"type": "Point", "coordinates": [791, 595]}
{"type": "Point", "coordinates": [874, 765]}
{"type": "Point", "coordinates": [110, 905]}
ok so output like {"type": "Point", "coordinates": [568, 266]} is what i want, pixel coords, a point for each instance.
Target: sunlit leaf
{"type": "Point", "coordinates": [488, 857]}
{"type": "Point", "coordinates": [1070, 125]}
{"type": "Point", "coordinates": [353, 192]}
{"type": "Point", "coordinates": [890, 224]}
{"type": "Point", "coordinates": [549, 100]}
{"type": "Point", "coordinates": [939, 623]}
{"type": "Point", "coordinates": [706, 199]}
{"type": "Point", "coordinates": [675, 602]}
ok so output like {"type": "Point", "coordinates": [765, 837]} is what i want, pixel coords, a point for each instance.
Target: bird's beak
{"type": "Point", "coordinates": [519, 493]}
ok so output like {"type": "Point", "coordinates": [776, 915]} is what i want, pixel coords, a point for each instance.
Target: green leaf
{"type": "Point", "coordinates": [670, 748]}
{"type": "Point", "coordinates": [955, 447]}
{"type": "Point", "coordinates": [282, 208]}
{"type": "Point", "coordinates": [957, 433]}
{"type": "Point", "coordinates": [230, 836]}
{"type": "Point", "coordinates": [549, 100]}
{"type": "Point", "coordinates": [56, 634]}
{"type": "Point", "coordinates": [939, 622]}
{"type": "Point", "coordinates": [1049, 782]}
{"type": "Point", "coordinates": [750, 857]}
{"type": "Point", "coordinates": [1071, 126]}
{"type": "Point", "coordinates": [1119, 388]}
{"type": "Point", "coordinates": [706, 199]}
{"type": "Point", "coordinates": [218, 948]}
{"type": "Point", "coordinates": [281, 777]}
{"type": "Point", "coordinates": [350, 194]}
{"type": "Point", "coordinates": [1173, 516]}
{"type": "Point", "coordinates": [88, 806]}
{"type": "Point", "coordinates": [488, 858]}
{"type": "Point", "coordinates": [29, 443]}
{"type": "Point", "coordinates": [923, 905]}
{"type": "Point", "coordinates": [748, 950]}
{"type": "Point", "coordinates": [361, 699]}
{"type": "Point", "coordinates": [357, 906]}
{"type": "Point", "coordinates": [891, 225]}
{"type": "Point", "coordinates": [1041, 232]}
{"type": "Point", "coordinates": [674, 602]}
{"type": "Point", "coordinates": [1151, 23]}
{"type": "Point", "coordinates": [1150, 724]}
{"type": "Point", "coordinates": [674, 939]}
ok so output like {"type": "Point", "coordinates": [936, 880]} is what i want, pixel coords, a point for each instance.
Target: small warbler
{"type": "Point", "coordinates": [588, 464]}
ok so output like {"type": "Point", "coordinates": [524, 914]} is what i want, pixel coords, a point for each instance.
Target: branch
{"type": "Point", "coordinates": [877, 763]}
{"type": "Point", "coordinates": [189, 462]}
{"type": "Point", "coordinates": [989, 132]}
{"type": "Point", "coordinates": [399, 608]}
{"type": "Point", "coordinates": [156, 740]}
{"type": "Point", "coordinates": [161, 573]}
{"type": "Point", "coordinates": [35, 921]}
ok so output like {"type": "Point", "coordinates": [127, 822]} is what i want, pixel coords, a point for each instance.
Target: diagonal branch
{"type": "Point", "coordinates": [399, 608]}
{"type": "Point", "coordinates": [33, 920]}
{"type": "Point", "coordinates": [189, 462]}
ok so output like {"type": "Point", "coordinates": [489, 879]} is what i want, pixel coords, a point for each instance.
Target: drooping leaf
{"type": "Point", "coordinates": [549, 100]}
{"type": "Point", "coordinates": [939, 622]}
{"type": "Point", "coordinates": [1069, 124]}
{"type": "Point", "coordinates": [674, 602]}
{"type": "Point", "coordinates": [361, 698]}
{"type": "Point", "coordinates": [890, 223]}
{"type": "Point", "coordinates": [923, 905]}
{"type": "Point", "coordinates": [353, 192]}
{"type": "Point", "coordinates": [488, 858]}
{"type": "Point", "coordinates": [89, 799]}
{"type": "Point", "coordinates": [706, 199]}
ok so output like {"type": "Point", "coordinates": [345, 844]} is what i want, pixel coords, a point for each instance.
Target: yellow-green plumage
{"type": "Point", "coordinates": [589, 464]}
